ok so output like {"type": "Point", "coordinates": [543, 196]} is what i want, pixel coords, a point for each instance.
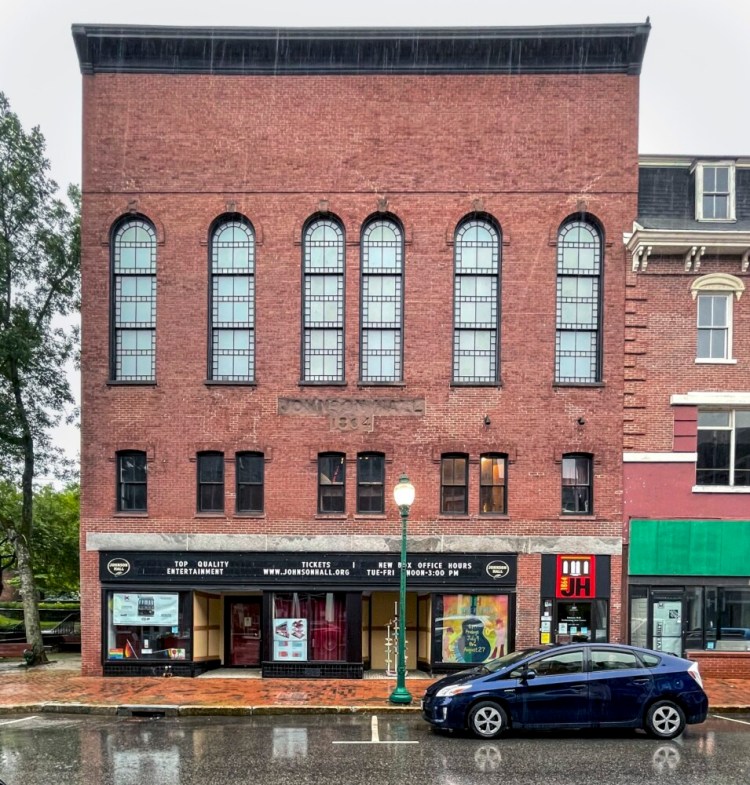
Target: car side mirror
{"type": "Point", "coordinates": [528, 674]}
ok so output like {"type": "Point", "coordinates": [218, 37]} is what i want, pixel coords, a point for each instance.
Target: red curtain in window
{"type": "Point", "coordinates": [326, 621]}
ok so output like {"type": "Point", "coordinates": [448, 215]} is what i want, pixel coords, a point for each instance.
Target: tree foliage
{"type": "Point", "coordinates": [39, 288]}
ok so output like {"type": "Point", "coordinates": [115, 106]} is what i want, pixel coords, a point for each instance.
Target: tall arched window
{"type": "Point", "coordinates": [381, 355]}
{"type": "Point", "coordinates": [323, 302]}
{"type": "Point", "coordinates": [476, 303]}
{"type": "Point", "coordinates": [232, 307]}
{"type": "Point", "coordinates": [133, 301]}
{"type": "Point", "coordinates": [579, 270]}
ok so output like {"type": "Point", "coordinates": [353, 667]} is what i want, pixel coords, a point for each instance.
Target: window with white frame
{"type": "Point", "coordinates": [714, 294]}
{"type": "Point", "coordinates": [323, 302]}
{"type": "Point", "coordinates": [382, 298]}
{"type": "Point", "coordinates": [714, 191]}
{"type": "Point", "coordinates": [723, 447]}
{"type": "Point", "coordinates": [714, 322]}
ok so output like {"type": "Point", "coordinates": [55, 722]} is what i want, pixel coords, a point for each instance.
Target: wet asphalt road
{"type": "Point", "coordinates": [391, 749]}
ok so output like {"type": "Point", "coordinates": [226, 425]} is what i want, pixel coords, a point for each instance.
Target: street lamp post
{"type": "Point", "coordinates": [403, 493]}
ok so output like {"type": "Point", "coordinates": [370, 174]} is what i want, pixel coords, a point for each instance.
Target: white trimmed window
{"type": "Point", "coordinates": [723, 447]}
{"type": "Point", "coordinates": [713, 295]}
{"type": "Point", "coordinates": [714, 191]}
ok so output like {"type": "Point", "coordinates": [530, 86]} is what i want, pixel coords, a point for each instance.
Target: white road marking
{"type": "Point", "coordinates": [23, 719]}
{"type": "Point", "coordinates": [730, 719]}
{"type": "Point", "coordinates": [375, 738]}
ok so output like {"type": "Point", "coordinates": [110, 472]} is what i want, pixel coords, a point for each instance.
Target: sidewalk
{"type": "Point", "coordinates": [59, 687]}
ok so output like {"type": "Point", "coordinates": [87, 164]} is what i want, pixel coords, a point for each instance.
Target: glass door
{"type": "Point", "coordinates": [245, 632]}
{"type": "Point", "coordinates": [666, 625]}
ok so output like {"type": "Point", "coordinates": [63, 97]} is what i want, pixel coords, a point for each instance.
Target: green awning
{"type": "Point", "coordinates": [719, 548]}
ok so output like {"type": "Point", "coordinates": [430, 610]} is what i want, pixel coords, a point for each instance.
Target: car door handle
{"type": "Point", "coordinates": [577, 690]}
{"type": "Point", "coordinates": [641, 680]}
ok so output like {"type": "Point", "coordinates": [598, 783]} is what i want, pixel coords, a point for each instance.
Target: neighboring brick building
{"type": "Point", "coordinates": [314, 260]}
{"type": "Point", "coordinates": [687, 410]}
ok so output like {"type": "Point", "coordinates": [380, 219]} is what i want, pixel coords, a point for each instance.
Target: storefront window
{"type": "Point", "coordinates": [734, 615]}
{"type": "Point", "coordinates": [309, 626]}
{"type": "Point", "coordinates": [639, 621]}
{"type": "Point", "coordinates": [471, 628]}
{"type": "Point", "coordinates": [148, 626]}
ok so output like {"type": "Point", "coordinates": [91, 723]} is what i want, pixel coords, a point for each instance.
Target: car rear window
{"type": "Point", "coordinates": [613, 660]}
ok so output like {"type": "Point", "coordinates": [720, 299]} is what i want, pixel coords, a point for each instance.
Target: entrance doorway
{"type": "Point", "coordinates": [244, 644]}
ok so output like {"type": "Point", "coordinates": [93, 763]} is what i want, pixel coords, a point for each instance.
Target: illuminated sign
{"type": "Point", "coordinates": [576, 577]}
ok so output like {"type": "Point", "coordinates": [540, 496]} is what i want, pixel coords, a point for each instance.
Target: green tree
{"type": "Point", "coordinates": [55, 557]}
{"type": "Point", "coordinates": [39, 287]}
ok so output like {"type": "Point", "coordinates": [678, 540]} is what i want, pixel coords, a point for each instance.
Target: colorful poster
{"type": "Point", "coordinates": [473, 628]}
{"type": "Point", "coordinates": [290, 639]}
{"type": "Point", "coordinates": [153, 610]}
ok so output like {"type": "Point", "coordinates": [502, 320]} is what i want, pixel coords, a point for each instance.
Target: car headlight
{"type": "Point", "coordinates": [453, 689]}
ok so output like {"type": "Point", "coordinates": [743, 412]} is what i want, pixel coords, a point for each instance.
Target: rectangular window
{"type": "Point", "coordinates": [576, 485]}
{"type": "Point", "coordinates": [131, 482]}
{"type": "Point", "coordinates": [471, 628]}
{"type": "Point", "coordinates": [370, 483]}
{"type": "Point", "coordinates": [148, 626]}
{"type": "Point", "coordinates": [492, 497]}
{"type": "Point", "coordinates": [714, 191]}
{"type": "Point", "coordinates": [331, 487]}
{"type": "Point", "coordinates": [454, 480]}
{"type": "Point", "coordinates": [714, 319]}
{"type": "Point", "coordinates": [211, 482]}
{"type": "Point", "coordinates": [309, 626]}
{"type": "Point", "coordinates": [249, 475]}
{"type": "Point", "coordinates": [723, 448]}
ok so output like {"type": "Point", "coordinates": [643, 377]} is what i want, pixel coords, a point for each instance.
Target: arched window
{"type": "Point", "coordinates": [323, 302]}
{"type": "Point", "coordinates": [579, 270]}
{"type": "Point", "coordinates": [476, 303]}
{"type": "Point", "coordinates": [232, 306]}
{"type": "Point", "coordinates": [381, 355]}
{"type": "Point", "coordinates": [133, 301]}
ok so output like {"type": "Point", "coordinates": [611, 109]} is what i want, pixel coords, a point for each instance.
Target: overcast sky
{"type": "Point", "coordinates": [694, 84]}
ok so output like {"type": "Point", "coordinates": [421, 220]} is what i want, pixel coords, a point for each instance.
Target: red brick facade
{"type": "Point", "coordinates": [529, 150]}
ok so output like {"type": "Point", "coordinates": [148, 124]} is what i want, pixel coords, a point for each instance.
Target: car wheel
{"type": "Point", "coordinates": [665, 720]}
{"type": "Point", "coordinates": [488, 720]}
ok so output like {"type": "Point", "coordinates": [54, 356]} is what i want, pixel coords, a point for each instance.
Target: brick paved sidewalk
{"type": "Point", "coordinates": [49, 689]}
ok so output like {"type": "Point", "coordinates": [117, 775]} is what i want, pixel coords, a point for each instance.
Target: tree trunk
{"type": "Point", "coordinates": [30, 606]}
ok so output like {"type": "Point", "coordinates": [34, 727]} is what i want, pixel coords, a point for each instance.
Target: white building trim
{"type": "Point", "coordinates": [659, 457]}
{"type": "Point", "coordinates": [697, 398]}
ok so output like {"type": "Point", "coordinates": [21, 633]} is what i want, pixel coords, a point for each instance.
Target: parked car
{"type": "Point", "coordinates": [585, 685]}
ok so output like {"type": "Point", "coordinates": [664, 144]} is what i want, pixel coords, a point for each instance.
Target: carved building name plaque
{"type": "Point", "coordinates": [351, 414]}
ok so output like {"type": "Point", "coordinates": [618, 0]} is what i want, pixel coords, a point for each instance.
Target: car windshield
{"type": "Point", "coordinates": [509, 659]}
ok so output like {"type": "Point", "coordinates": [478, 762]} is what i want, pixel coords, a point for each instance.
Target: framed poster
{"type": "Point", "coordinates": [290, 639]}
{"type": "Point", "coordinates": [153, 610]}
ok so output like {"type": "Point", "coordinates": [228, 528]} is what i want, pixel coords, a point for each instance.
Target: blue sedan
{"type": "Point", "coordinates": [583, 685]}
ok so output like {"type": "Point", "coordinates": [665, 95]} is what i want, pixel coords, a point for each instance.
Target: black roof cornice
{"type": "Point", "coordinates": [589, 49]}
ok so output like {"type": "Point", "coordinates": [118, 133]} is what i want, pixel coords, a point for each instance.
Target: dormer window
{"type": "Point", "coordinates": [714, 191]}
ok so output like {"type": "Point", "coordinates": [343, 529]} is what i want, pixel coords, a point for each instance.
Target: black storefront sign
{"type": "Point", "coordinates": [307, 569]}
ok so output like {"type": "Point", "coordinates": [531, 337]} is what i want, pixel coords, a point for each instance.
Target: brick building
{"type": "Point", "coordinates": [314, 260]}
{"type": "Point", "coordinates": [687, 410]}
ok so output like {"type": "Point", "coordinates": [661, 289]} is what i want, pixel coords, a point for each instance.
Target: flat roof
{"type": "Point", "coordinates": [575, 49]}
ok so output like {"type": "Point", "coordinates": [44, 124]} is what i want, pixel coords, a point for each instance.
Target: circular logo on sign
{"type": "Point", "coordinates": [497, 569]}
{"type": "Point", "coordinates": [118, 566]}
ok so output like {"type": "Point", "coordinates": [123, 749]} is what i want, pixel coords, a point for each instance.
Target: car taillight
{"type": "Point", "coordinates": [695, 673]}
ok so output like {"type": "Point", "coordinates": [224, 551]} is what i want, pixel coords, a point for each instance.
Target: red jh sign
{"type": "Point", "coordinates": [576, 577]}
